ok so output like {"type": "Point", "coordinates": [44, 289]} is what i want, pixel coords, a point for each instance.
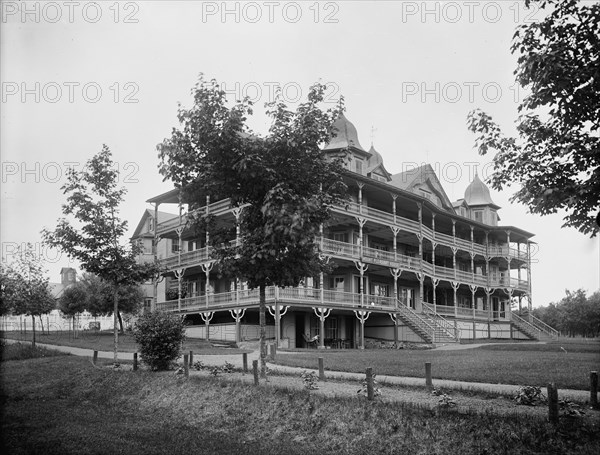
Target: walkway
{"type": "Point", "coordinates": [237, 360]}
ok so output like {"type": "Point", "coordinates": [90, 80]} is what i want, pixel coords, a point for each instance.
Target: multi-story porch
{"type": "Point", "coordinates": [410, 265]}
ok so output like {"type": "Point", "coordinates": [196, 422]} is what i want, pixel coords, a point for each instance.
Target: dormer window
{"type": "Point", "coordinates": [358, 165]}
{"type": "Point", "coordinates": [150, 224]}
{"type": "Point", "coordinates": [478, 215]}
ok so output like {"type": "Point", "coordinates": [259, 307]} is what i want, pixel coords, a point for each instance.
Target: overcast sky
{"type": "Point", "coordinates": [76, 75]}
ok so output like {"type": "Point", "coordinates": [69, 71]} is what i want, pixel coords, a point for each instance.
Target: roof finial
{"type": "Point", "coordinates": [373, 129]}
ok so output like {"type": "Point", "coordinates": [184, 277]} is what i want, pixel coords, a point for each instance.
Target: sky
{"type": "Point", "coordinates": [76, 75]}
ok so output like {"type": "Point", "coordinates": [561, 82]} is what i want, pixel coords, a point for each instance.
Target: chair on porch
{"type": "Point", "coordinates": [311, 341]}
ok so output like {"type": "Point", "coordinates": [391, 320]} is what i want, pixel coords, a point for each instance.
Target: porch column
{"type": "Point", "coordinates": [361, 222]}
{"type": "Point", "coordinates": [473, 305]}
{"type": "Point", "coordinates": [362, 316]}
{"type": "Point", "coordinates": [433, 244]}
{"type": "Point", "coordinates": [237, 314]}
{"type": "Point", "coordinates": [394, 197]}
{"type": "Point", "coordinates": [206, 268]}
{"type": "Point", "coordinates": [529, 276]}
{"type": "Point", "coordinates": [155, 256]}
{"type": "Point", "coordinates": [362, 268]}
{"type": "Point", "coordinates": [455, 285]}
{"type": "Point", "coordinates": [207, 317]}
{"type": "Point", "coordinates": [395, 231]}
{"type": "Point", "coordinates": [396, 274]}
{"type": "Point", "coordinates": [434, 282]}
{"type": "Point", "coordinates": [277, 312]}
{"type": "Point", "coordinates": [322, 314]}
{"type": "Point", "coordinates": [360, 196]}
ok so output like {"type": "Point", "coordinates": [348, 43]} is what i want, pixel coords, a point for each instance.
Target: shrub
{"type": "Point", "coordinates": [159, 336]}
{"type": "Point", "coordinates": [529, 395]}
{"type": "Point", "coordinates": [310, 380]}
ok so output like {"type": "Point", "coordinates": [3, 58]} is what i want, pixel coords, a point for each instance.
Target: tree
{"type": "Point", "coordinates": [284, 180]}
{"type": "Point", "coordinates": [73, 301]}
{"type": "Point", "coordinates": [99, 301]}
{"type": "Point", "coordinates": [556, 159]}
{"type": "Point", "coordinates": [28, 290]}
{"type": "Point", "coordinates": [575, 314]}
{"type": "Point", "coordinates": [93, 200]}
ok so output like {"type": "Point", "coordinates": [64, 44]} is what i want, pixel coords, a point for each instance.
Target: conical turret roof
{"type": "Point", "coordinates": [477, 193]}
{"type": "Point", "coordinates": [345, 135]}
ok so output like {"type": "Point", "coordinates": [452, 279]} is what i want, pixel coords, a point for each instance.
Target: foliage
{"type": "Point", "coordinates": [95, 235]}
{"type": "Point", "coordinates": [445, 401]}
{"type": "Point", "coordinates": [364, 391]}
{"type": "Point", "coordinates": [284, 181]}
{"type": "Point", "coordinates": [575, 314]}
{"type": "Point", "coordinates": [570, 409]}
{"type": "Point", "coordinates": [73, 300]}
{"type": "Point", "coordinates": [159, 336]}
{"type": "Point", "coordinates": [100, 297]}
{"type": "Point", "coordinates": [199, 365]}
{"type": "Point", "coordinates": [27, 289]}
{"type": "Point", "coordinates": [309, 379]}
{"type": "Point", "coordinates": [218, 369]}
{"type": "Point", "coordinates": [556, 159]}
{"type": "Point", "coordinates": [529, 395]}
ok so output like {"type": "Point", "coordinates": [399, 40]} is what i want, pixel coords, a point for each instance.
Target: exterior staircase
{"type": "Point", "coordinates": [431, 327]}
{"type": "Point", "coordinates": [533, 328]}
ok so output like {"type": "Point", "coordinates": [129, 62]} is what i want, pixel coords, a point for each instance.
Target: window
{"type": "Point", "coordinates": [358, 165]}
{"type": "Point", "coordinates": [381, 290]}
{"type": "Point", "coordinates": [340, 237]}
{"type": "Point", "coordinates": [478, 215]}
{"type": "Point", "coordinates": [150, 224]}
{"type": "Point", "coordinates": [331, 328]}
{"type": "Point", "coordinates": [407, 297]}
{"type": "Point", "coordinates": [174, 246]}
{"type": "Point", "coordinates": [337, 283]}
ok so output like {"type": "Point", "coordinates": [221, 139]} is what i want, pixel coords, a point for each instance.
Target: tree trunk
{"type": "Point", "coordinates": [263, 331]}
{"type": "Point", "coordinates": [41, 323]}
{"type": "Point", "coordinates": [33, 329]}
{"type": "Point", "coordinates": [120, 323]}
{"type": "Point", "coordinates": [115, 325]}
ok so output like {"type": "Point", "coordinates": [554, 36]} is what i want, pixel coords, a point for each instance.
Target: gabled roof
{"type": "Point", "coordinates": [162, 217]}
{"type": "Point", "coordinates": [413, 179]}
{"type": "Point", "coordinates": [345, 136]}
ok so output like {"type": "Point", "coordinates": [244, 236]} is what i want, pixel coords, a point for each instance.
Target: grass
{"type": "Point", "coordinates": [103, 341]}
{"type": "Point", "coordinates": [20, 351]}
{"type": "Point", "coordinates": [520, 364]}
{"type": "Point", "coordinates": [65, 405]}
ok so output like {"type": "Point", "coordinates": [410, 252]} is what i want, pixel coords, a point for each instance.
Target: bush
{"type": "Point", "coordinates": [159, 336]}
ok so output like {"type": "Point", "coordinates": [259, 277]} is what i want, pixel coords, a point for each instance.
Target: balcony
{"type": "Point", "coordinates": [310, 297]}
{"type": "Point", "coordinates": [188, 259]}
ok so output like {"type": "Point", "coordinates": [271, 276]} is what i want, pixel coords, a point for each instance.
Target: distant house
{"type": "Point", "coordinates": [144, 236]}
{"type": "Point", "coordinates": [411, 265]}
{"type": "Point", "coordinates": [68, 277]}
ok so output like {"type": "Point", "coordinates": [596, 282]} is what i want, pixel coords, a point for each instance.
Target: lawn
{"type": "Point", "coordinates": [65, 405]}
{"type": "Point", "coordinates": [103, 341]}
{"type": "Point", "coordinates": [521, 364]}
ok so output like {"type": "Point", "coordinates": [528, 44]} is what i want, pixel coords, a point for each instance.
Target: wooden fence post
{"type": "Point", "coordinates": [370, 392]}
{"type": "Point", "coordinates": [135, 361]}
{"type": "Point", "coordinates": [594, 389]}
{"type": "Point", "coordinates": [191, 359]}
{"type": "Point", "coordinates": [552, 403]}
{"type": "Point", "coordinates": [274, 352]}
{"type": "Point", "coordinates": [428, 381]}
{"type": "Point", "coordinates": [255, 371]}
{"type": "Point", "coordinates": [321, 369]}
{"type": "Point", "coordinates": [245, 361]}
{"type": "Point", "coordinates": [186, 365]}
{"type": "Point", "coordinates": [95, 357]}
